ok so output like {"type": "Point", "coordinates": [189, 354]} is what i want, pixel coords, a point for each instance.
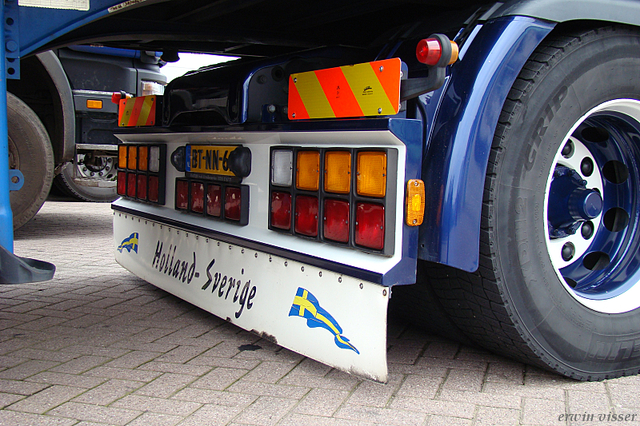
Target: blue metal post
{"type": "Point", "coordinates": [6, 217]}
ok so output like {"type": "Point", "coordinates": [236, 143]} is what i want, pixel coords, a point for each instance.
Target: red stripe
{"type": "Point", "coordinates": [338, 92]}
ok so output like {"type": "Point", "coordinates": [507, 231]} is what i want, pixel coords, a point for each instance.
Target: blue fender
{"type": "Point", "coordinates": [465, 118]}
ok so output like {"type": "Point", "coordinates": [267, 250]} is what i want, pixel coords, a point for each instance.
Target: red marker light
{"type": "Point", "coordinates": [429, 51]}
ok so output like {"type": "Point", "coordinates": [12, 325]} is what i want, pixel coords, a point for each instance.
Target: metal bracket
{"type": "Point", "coordinates": [16, 180]}
{"type": "Point", "coordinates": [11, 39]}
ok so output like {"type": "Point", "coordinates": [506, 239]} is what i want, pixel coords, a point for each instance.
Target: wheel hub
{"type": "Point", "coordinates": [571, 203]}
{"type": "Point", "coordinates": [592, 188]}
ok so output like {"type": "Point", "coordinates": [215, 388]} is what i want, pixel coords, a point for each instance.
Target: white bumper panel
{"type": "Point", "coordinates": [335, 319]}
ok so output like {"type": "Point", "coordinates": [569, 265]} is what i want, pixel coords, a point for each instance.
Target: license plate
{"type": "Point", "coordinates": [209, 159]}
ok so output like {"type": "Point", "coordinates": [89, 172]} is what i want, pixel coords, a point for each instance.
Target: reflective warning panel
{"type": "Point", "coordinates": [362, 90]}
{"type": "Point", "coordinates": [140, 111]}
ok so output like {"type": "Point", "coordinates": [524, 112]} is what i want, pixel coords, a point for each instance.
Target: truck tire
{"type": "Point", "coordinates": [30, 152]}
{"type": "Point", "coordinates": [559, 279]}
{"type": "Point", "coordinates": [99, 187]}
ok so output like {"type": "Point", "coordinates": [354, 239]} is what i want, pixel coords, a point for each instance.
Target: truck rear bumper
{"type": "Point", "coordinates": [333, 318]}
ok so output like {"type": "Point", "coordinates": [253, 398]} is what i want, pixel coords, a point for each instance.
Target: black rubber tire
{"type": "Point", "coordinates": [419, 304]}
{"type": "Point", "coordinates": [30, 151]}
{"type": "Point", "coordinates": [515, 304]}
{"type": "Point", "coordinates": [66, 182]}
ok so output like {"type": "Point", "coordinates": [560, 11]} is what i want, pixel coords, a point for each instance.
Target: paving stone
{"type": "Point", "coordinates": [46, 399]}
{"type": "Point", "coordinates": [98, 346]}
{"type": "Point", "coordinates": [95, 413]}
{"type": "Point", "coordinates": [108, 392]}
{"type": "Point", "coordinates": [266, 411]}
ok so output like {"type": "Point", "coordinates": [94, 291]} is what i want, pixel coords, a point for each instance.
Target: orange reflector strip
{"type": "Point", "coordinates": [308, 170]}
{"type": "Point", "coordinates": [369, 89]}
{"type": "Point", "coordinates": [94, 104]}
{"type": "Point", "coordinates": [414, 208]}
{"type": "Point", "coordinates": [372, 174]}
{"type": "Point", "coordinates": [135, 112]}
{"type": "Point", "coordinates": [337, 169]}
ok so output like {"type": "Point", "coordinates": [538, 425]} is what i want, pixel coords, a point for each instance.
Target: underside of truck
{"type": "Point", "coordinates": [250, 191]}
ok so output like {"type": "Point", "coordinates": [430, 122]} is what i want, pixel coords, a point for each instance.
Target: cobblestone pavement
{"type": "Point", "coordinates": [98, 346]}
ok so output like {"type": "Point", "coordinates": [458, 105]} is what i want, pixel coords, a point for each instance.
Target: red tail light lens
{"type": "Point", "coordinates": [336, 220]}
{"type": "Point", "coordinates": [142, 187]}
{"type": "Point", "coordinates": [281, 210]}
{"type": "Point", "coordinates": [197, 197]}
{"type": "Point", "coordinates": [154, 189]}
{"type": "Point", "coordinates": [214, 200]}
{"type": "Point", "coordinates": [370, 226]}
{"type": "Point", "coordinates": [182, 194]}
{"type": "Point", "coordinates": [122, 183]}
{"type": "Point", "coordinates": [232, 203]}
{"type": "Point", "coordinates": [131, 185]}
{"type": "Point", "coordinates": [306, 216]}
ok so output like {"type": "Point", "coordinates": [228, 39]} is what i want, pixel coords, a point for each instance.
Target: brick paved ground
{"type": "Point", "coordinates": [98, 346]}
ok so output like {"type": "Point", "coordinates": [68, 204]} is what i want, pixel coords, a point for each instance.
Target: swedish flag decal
{"type": "Point", "coordinates": [307, 306]}
{"type": "Point", "coordinates": [129, 243]}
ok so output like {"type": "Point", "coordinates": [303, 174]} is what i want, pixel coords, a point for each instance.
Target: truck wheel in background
{"type": "Point", "coordinates": [30, 152]}
{"type": "Point", "coordinates": [559, 278]}
{"type": "Point", "coordinates": [94, 178]}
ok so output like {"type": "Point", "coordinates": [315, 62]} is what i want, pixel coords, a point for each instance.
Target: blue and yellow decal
{"type": "Point", "coordinates": [129, 243]}
{"type": "Point", "coordinates": [307, 306]}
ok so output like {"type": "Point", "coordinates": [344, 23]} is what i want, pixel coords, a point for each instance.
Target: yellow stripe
{"type": "Point", "coordinates": [367, 89]}
{"type": "Point", "coordinates": [128, 109]}
{"type": "Point", "coordinates": [312, 95]}
{"type": "Point", "coordinates": [145, 110]}
{"type": "Point", "coordinates": [326, 321]}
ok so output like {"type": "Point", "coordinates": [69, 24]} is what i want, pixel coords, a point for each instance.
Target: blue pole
{"type": "Point", "coordinates": [6, 217]}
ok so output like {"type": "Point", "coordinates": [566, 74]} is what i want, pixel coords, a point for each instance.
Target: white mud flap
{"type": "Point", "coordinates": [338, 320]}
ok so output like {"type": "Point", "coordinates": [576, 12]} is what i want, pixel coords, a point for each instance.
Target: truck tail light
{"type": "Point", "coordinates": [336, 220]}
{"type": "Point", "coordinates": [306, 216]}
{"type": "Point", "coordinates": [143, 158]}
{"type": "Point", "coordinates": [337, 170]}
{"type": "Point", "coordinates": [232, 203]}
{"type": "Point", "coordinates": [141, 186]}
{"type": "Point", "coordinates": [132, 159]}
{"type": "Point", "coordinates": [154, 189]}
{"type": "Point", "coordinates": [122, 183]}
{"type": "Point", "coordinates": [336, 195]}
{"type": "Point", "coordinates": [281, 167]}
{"type": "Point", "coordinates": [214, 200]}
{"type": "Point", "coordinates": [308, 170]}
{"type": "Point", "coordinates": [141, 172]}
{"type": "Point", "coordinates": [182, 194]}
{"type": "Point", "coordinates": [196, 197]}
{"type": "Point", "coordinates": [372, 174]}
{"type": "Point", "coordinates": [122, 156]}
{"type": "Point", "coordinates": [281, 210]}
{"type": "Point", "coordinates": [155, 156]}
{"type": "Point", "coordinates": [131, 185]}
{"type": "Point", "coordinates": [370, 226]}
